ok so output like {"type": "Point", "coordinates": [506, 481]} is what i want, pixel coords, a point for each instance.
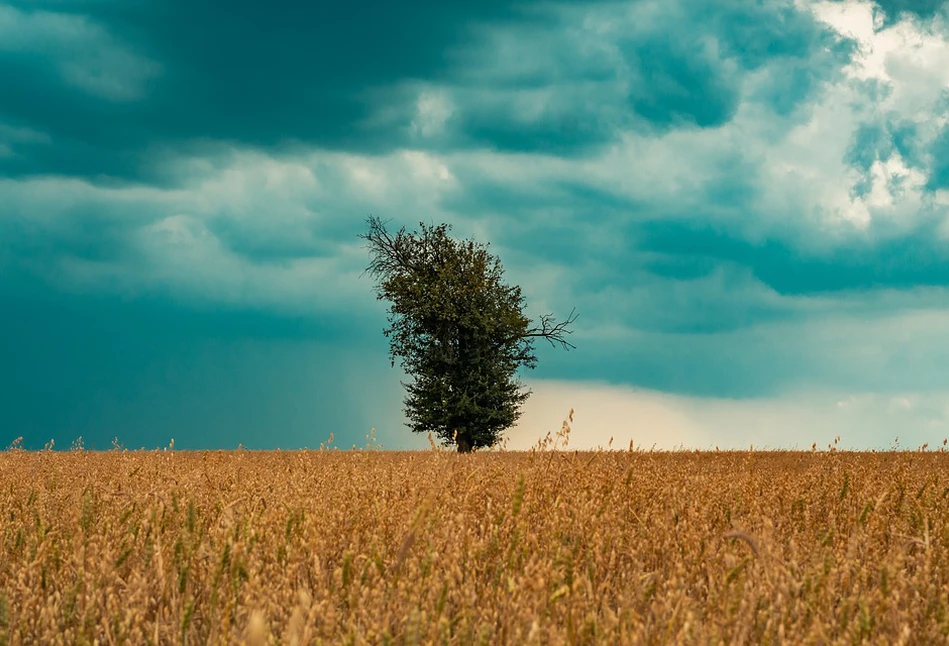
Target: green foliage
{"type": "Point", "coordinates": [458, 330]}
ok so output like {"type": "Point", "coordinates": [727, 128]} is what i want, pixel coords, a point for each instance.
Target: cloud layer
{"type": "Point", "coordinates": [742, 201]}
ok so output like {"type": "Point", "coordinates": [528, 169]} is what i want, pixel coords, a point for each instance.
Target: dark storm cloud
{"type": "Point", "coordinates": [939, 174]}
{"type": "Point", "coordinates": [335, 75]}
{"type": "Point", "coordinates": [683, 80]}
{"type": "Point", "coordinates": [148, 370]}
{"type": "Point", "coordinates": [685, 67]}
{"type": "Point", "coordinates": [679, 171]}
{"type": "Point", "coordinates": [917, 259]}
{"type": "Point", "coordinates": [874, 142]}
{"type": "Point", "coordinates": [879, 355]}
{"type": "Point", "coordinates": [692, 247]}
{"type": "Point", "coordinates": [894, 10]}
{"type": "Point", "coordinates": [258, 74]}
{"type": "Point", "coordinates": [679, 85]}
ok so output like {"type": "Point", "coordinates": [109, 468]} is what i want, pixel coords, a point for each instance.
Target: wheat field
{"type": "Point", "coordinates": [543, 547]}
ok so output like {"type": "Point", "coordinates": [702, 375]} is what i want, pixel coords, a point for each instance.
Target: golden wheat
{"type": "Point", "coordinates": [368, 547]}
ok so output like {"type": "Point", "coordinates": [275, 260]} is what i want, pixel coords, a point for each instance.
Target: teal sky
{"type": "Point", "coordinates": [747, 203]}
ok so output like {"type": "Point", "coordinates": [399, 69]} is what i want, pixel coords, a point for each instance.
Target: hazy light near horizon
{"type": "Point", "coordinates": [651, 419]}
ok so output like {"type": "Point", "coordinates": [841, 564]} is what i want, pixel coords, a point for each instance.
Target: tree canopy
{"type": "Point", "coordinates": [459, 331]}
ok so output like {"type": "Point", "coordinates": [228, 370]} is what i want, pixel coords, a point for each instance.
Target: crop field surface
{"type": "Point", "coordinates": [548, 547]}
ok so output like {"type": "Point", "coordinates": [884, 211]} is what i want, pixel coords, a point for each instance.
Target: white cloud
{"type": "Point", "coordinates": [434, 109]}
{"type": "Point", "coordinates": [911, 54]}
{"type": "Point", "coordinates": [85, 54]}
{"type": "Point", "coordinates": [251, 229]}
{"type": "Point", "coordinates": [799, 183]}
{"type": "Point", "coordinates": [15, 135]}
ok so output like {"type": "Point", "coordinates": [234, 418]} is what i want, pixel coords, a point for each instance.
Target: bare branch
{"type": "Point", "coordinates": [553, 332]}
{"type": "Point", "coordinates": [549, 330]}
{"type": "Point", "coordinates": [388, 253]}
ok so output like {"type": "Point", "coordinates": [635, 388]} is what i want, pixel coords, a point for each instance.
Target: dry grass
{"type": "Point", "coordinates": [548, 547]}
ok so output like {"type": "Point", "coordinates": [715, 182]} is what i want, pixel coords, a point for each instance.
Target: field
{"type": "Point", "coordinates": [371, 547]}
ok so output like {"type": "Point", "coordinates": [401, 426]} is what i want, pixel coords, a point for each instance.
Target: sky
{"type": "Point", "coordinates": [746, 202]}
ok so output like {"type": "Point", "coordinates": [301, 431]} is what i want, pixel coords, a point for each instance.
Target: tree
{"type": "Point", "coordinates": [458, 329]}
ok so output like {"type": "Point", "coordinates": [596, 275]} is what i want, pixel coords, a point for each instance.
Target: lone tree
{"type": "Point", "coordinates": [458, 329]}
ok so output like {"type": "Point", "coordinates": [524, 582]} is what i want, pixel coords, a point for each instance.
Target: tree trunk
{"type": "Point", "coordinates": [464, 443]}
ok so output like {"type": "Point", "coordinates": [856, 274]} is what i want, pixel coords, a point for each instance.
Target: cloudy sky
{"type": "Point", "coordinates": [747, 203]}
